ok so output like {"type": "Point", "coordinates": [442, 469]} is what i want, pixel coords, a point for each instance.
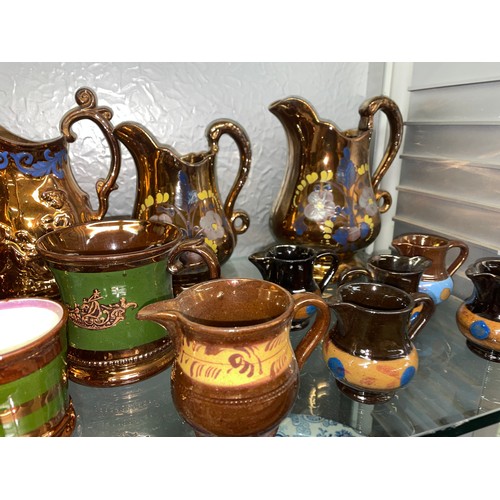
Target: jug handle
{"type": "Point", "coordinates": [334, 264]}
{"type": "Point", "coordinates": [195, 245]}
{"type": "Point", "coordinates": [428, 308]}
{"type": "Point", "coordinates": [354, 273]}
{"type": "Point", "coordinates": [367, 112]}
{"type": "Point", "coordinates": [319, 328]}
{"type": "Point", "coordinates": [214, 132]}
{"type": "Point", "coordinates": [460, 259]}
{"type": "Point", "coordinates": [101, 115]}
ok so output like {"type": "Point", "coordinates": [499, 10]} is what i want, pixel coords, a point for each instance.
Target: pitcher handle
{"type": "Point", "coordinates": [428, 308]}
{"type": "Point", "coordinates": [367, 112]}
{"type": "Point", "coordinates": [101, 115]}
{"type": "Point", "coordinates": [353, 274]}
{"type": "Point", "coordinates": [195, 245]}
{"type": "Point", "coordinates": [332, 269]}
{"type": "Point", "coordinates": [319, 328]}
{"type": "Point", "coordinates": [460, 259]}
{"type": "Point", "coordinates": [214, 132]}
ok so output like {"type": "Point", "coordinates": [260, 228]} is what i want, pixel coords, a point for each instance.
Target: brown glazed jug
{"type": "Point", "coordinates": [370, 350]}
{"type": "Point", "coordinates": [235, 372]}
{"type": "Point", "coordinates": [478, 317]}
{"type": "Point", "coordinates": [329, 197]}
{"type": "Point", "coordinates": [183, 190]}
{"type": "Point", "coordinates": [292, 267]}
{"type": "Point", "coordinates": [38, 193]}
{"type": "Point", "coordinates": [437, 279]}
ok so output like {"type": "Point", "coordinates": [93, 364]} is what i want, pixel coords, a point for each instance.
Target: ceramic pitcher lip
{"type": "Point", "coordinates": [401, 263]}
{"type": "Point", "coordinates": [484, 266]}
{"type": "Point", "coordinates": [205, 319]}
{"type": "Point", "coordinates": [376, 298]}
{"type": "Point", "coordinates": [109, 243]}
{"type": "Point", "coordinates": [424, 240]}
{"type": "Point", "coordinates": [17, 142]}
{"type": "Point", "coordinates": [350, 134]}
{"type": "Point", "coordinates": [289, 252]}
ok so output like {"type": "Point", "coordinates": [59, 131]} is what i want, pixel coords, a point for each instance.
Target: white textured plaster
{"type": "Point", "coordinates": [176, 102]}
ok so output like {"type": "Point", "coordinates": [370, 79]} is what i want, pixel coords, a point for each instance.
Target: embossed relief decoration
{"type": "Point", "coordinates": [92, 315]}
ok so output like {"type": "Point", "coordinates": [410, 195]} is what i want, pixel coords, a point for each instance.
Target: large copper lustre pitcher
{"type": "Point", "coordinates": [38, 193]}
{"type": "Point", "coordinates": [183, 190]}
{"type": "Point", "coordinates": [329, 197]}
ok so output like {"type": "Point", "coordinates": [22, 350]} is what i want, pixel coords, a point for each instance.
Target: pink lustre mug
{"type": "Point", "coordinates": [34, 398]}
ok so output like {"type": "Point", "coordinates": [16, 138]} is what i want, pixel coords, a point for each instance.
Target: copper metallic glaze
{"type": "Point", "coordinates": [38, 193]}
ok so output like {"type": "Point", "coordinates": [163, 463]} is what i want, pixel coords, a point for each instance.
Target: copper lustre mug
{"type": "Point", "coordinates": [106, 271]}
{"type": "Point", "coordinates": [34, 398]}
{"type": "Point", "coordinates": [235, 372]}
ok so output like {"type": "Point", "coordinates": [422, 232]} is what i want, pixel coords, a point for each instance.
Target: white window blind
{"type": "Point", "coordinates": [450, 159]}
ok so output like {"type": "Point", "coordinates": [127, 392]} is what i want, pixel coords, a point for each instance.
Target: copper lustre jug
{"type": "Point", "coordinates": [329, 197]}
{"type": "Point", "coordinates": [235, 372]}
{"type": "Point", "coordinates": [38, 193]}
{"type": "Point", "coordinates": [478, 316]}
{"type": "Point", "coordinates": [183, 190]}
{"type": "Point", "coordinates": [436, 280]}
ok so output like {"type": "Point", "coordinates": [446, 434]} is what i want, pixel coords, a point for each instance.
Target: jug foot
{"type": "Point", "coordinates": [363, 396]}
{"type": "Point", "coordinates": [488, 354]}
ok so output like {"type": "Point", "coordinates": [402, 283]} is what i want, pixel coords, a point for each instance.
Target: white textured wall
{"type": "Point", "coordinates": [176, 102]}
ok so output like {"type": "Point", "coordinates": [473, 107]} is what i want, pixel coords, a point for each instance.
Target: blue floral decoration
{"type": "Point", "coordinates": [52, 164]}
{"type": "Point", "coordinates": [336, 367]}
{"type": "Point", "coordinates": [479, 329]}
{"type": "Point", "coordinates": [407, 375]}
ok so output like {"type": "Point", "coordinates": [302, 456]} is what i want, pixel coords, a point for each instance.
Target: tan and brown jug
{"type": "Point", "coordinates": [183, 190]}
{"type": "Point", "coordinates": [329, 198]}
{"type": "Point", "coordinates": [38, 193]}
{"type": "Point", "coordinates": [235, 372]}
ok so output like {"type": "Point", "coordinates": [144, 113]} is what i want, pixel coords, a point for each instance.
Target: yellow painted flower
{"type": "Point", "coordinates": [369, 221]}
{"type": "Point", "coordinates": [326, 175]}
{"type": "Point", "coordinates": [211, 244]}
{"type": "Point", "coordinates": [206, 193]}
{"type": "Point", "coordinates": [362, 169]}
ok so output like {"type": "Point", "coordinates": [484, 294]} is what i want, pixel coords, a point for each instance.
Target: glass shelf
{"type": "Point", "coordinates": [454, 392]}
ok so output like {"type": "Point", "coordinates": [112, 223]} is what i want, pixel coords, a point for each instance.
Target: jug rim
{"type": "Point", "coordinates": [351, 134]}
{"type": "Point", "coordinates": [251, 330]}
{"type": "Point", "coordinates": [478, 267]}
{"type": "Point", "coordinates": [18, 142]}
{"type": "Point", "coordinates": [423, 240]}
{"type": "Point", "coordinates": [422, 262]}
{"type": "Point", "coordinates": [113, 256]}
{"type": "Point", "coordinates": [407, 302]}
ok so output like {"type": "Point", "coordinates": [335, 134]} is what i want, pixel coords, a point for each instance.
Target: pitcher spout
{"type": "Point", "coordinates": [262, 263]}
{"type": "Point", "coordinates": [164, 313]}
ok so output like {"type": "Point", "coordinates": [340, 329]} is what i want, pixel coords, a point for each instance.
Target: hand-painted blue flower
{"type": "Point", "coordinates": [346, 172]}
{"type": "Point", "coordinates": [320, 206]}
{"type": "Point", "coordinates": [211, 223]}
{"type": "Point", "coordinates": [479, 329]}
{"type": "Point", "coordinates": [336, 367]}
{"type": "Point", "coordinates": [407, 375]}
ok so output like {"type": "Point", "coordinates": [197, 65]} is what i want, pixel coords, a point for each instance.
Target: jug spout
{"type": "Point", "coordinates": [262, 262]}
{"type": "Point", "coordinates": [165, 313]}
{"type": "Point", "coordinates": [138, 140]}
{"type": "Point", "coordinates": [293, 113]}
